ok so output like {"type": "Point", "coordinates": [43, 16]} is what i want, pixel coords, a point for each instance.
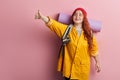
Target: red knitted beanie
{"type": "Point", "coordinates": [81, 9]}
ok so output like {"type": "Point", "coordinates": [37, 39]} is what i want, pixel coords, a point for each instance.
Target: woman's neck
{"type": "Point", "coordinates": [77, 26]}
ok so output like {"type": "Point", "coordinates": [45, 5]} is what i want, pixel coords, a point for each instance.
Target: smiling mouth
{"type": "Point", "coordinates": [77, 19]}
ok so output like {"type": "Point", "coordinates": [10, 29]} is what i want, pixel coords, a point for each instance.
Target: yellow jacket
{"type": "Point", "coordinates": [76, 64]}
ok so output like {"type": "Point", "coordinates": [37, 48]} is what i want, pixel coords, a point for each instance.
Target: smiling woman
{"type": "Point", "coordinates": [82, 45]}
{"type": "Point", "coordinates": [78, 17]}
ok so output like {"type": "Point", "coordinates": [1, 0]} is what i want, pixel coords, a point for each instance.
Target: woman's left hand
{"type": "Point", "coordinates": [97, 65]}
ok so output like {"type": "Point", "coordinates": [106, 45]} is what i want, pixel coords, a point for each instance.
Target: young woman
{"type": "Point", "coordinates": [82, 45]}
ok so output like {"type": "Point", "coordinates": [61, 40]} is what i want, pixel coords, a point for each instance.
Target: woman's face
{"type": "Point", "coordinates": [78, 17]}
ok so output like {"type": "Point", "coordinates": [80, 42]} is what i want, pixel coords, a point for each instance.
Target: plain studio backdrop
{"type": "Point", "coordinates": [29, 50]}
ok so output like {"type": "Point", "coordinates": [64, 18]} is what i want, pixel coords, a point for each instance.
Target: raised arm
{"type": "Point", "coordinates": [54, 25]}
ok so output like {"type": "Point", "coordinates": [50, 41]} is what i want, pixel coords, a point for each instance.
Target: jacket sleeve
{"type": "Point", "coordinates": [94, 50]}
{"type": "Point", "coordinates": [56, 27]}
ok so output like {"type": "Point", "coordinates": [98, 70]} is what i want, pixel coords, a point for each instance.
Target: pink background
{"type": "Point", "coordinates": [28, 49]}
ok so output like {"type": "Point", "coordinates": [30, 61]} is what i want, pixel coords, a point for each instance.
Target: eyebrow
{"type": "Point", "coordinates": [78, 13]}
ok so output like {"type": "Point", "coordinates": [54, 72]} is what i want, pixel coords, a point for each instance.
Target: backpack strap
{"type": "Point", "coordinates": [67, 31]}
{"type": "Point", "coordinates": [65, 40]}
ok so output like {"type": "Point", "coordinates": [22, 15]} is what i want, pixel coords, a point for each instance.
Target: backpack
{"type": "Point", "coordinates": [65, 39]}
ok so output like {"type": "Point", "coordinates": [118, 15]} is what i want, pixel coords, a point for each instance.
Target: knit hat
{"type": "Point", "coordinates": [81, 9]}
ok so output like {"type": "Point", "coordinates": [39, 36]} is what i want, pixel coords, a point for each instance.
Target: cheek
{"type": "Point", "coordinates": [82, 18]}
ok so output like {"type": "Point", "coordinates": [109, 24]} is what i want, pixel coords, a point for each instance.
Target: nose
{"type": "Point", "coordinates": [77, 17]}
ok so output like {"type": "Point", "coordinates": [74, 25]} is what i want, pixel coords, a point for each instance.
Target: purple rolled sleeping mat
{"type": "Point", "coordinates": [95, 25]}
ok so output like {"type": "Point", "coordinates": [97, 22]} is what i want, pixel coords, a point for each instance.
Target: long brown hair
{"type": "Point", "coordinates": [87, 32]}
